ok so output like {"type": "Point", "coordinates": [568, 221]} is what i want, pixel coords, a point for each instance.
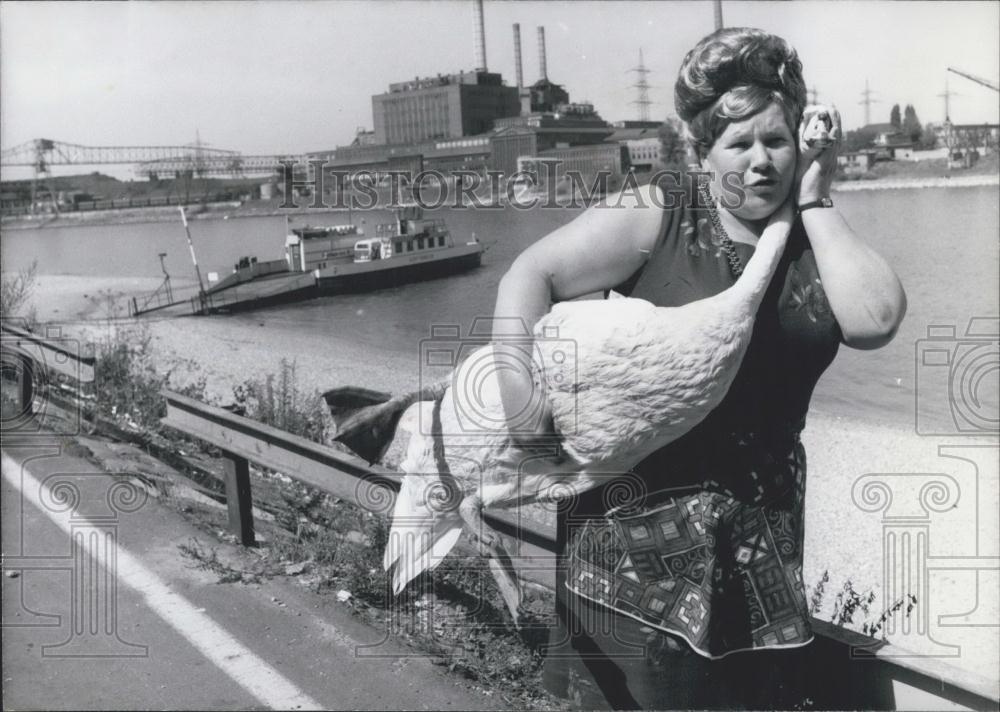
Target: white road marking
{"type": "Point", "coordinates": [240, 663]}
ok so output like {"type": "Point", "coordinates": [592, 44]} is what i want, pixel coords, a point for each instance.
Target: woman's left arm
{"type": "Point", "coordinates": [864, 292]}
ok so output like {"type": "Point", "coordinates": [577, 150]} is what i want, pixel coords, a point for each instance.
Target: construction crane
{"type": "Point", "coordinates": [46, 152]}
{"type": "Point", "coordinates": [978, 80]}
{"type": "Point", "coordinates": [41, 154]}
{"type": "Point", "coordinates": [199, 159]}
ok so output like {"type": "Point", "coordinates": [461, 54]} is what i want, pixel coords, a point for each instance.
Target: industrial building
{"type": "Point", "coordinates": [451, 106]}
{"type": "Point", "coordinates": [474, 121]}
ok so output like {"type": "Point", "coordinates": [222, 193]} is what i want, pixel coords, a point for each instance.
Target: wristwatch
{"type": "Point", "coordinates": [821, 203]}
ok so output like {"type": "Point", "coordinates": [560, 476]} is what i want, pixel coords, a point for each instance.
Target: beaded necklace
{"type": "Point", "coordinates": [735, 263]}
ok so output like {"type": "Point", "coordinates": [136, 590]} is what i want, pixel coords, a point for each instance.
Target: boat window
{"type": "Point", "coordinates": [420, 243]}
{"type": "Point", "coordinates": [409, 245]}
{"type": "Point", "coordinates": [440, 240]}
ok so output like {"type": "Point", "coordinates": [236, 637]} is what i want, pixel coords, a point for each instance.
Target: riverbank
{"type": "Point", "coordinates": [945, 181]}
{"type": "Point", "coordinates": [303, 213]}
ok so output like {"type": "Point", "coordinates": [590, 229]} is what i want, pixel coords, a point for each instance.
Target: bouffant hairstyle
{"type": "Point", "coordinates": [731, 75]}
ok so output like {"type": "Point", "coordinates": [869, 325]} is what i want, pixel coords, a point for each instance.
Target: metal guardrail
{"type": "Point", "coordinates": [35, 358]}
{"type": "Point", "coordinates": [336, 473]}
{"type": "Point", "coordinates": [857, 671]}
{"type": "Point", "coordinates": [847, 670]}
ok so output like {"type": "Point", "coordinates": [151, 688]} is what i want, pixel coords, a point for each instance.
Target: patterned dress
{"type": "Point", "coordinates": [703, 540]}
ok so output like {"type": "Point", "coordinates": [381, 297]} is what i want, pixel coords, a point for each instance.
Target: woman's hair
{"type": "Point", "coordinates": [731, 75]}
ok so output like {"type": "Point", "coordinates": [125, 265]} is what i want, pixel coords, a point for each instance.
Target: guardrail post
{"type": "Point", "coordinates": [239, 500]}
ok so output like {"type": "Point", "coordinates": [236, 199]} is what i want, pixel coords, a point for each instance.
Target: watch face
{"type": "Point", "coordinates": [827, 203]}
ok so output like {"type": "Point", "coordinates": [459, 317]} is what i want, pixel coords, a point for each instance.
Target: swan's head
{"type": "Point", "coordinates": [741, 94]}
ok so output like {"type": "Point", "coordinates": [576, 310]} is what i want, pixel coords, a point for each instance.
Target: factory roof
{"type": "Point", "coordinates": [632, 134]}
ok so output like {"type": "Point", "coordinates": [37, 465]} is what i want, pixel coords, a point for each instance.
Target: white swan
{"type": "Point", "coordinates": [641, 377]}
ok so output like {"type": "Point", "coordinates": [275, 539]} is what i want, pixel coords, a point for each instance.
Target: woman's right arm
{"type": "Point", "coordinates": [598, 250]}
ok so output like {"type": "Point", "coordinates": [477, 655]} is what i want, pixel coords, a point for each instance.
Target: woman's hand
{"type": "Point", "coordinates": [864, 292]}
{"type": "Point", "coordinates": [817, 158]}
{"type": "Point", "coordinates": [783, 217]}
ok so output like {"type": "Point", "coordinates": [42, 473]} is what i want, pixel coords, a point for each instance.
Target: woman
{"type": "Point", "coordinates": [665, 619]}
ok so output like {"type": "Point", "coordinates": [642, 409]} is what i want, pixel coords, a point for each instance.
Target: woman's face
{"type": "Point", "coordinates": [755, 157]}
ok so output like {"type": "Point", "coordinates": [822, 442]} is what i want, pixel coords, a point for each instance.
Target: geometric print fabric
{"type": "Point", "coordinates": [721, 572]}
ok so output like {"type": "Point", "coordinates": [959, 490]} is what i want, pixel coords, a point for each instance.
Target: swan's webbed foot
{"type": "Point", "coordinates": [471, 511]}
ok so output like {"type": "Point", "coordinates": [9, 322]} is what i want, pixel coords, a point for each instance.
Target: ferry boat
{"type": "Point", "coordinates": [342, 258]}
{"type": "Point", "coordinates": [408, 249]}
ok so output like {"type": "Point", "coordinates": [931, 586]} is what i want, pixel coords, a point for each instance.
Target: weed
{"type": "Point", "coordinates": [210, 562]}
{"type": "Point", "coordinates": [816, 600]}
{"type": "Point", "coordinates": [16, 291]}
{"type": "Point", "coordinates": [873, 629]}
{"type": "Point", "coordinates": [127, 384]}
{"type": "Point", "coordinates": [279, 402]}
{"type": "Point", "coordinates": [850, 603]}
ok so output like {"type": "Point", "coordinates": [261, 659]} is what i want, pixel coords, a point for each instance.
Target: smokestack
{"type": "Point", "coordinates": [479, 35]}
{"type": "Point", "coordinates": [541, 53]}
{"type": "Point", "coordinates": [517, 55]}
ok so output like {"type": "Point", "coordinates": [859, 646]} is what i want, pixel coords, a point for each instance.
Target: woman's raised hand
{"type": "Point", "coordinates": [820, 138]}
{"type": "Point", "coordinates": [782, 218]}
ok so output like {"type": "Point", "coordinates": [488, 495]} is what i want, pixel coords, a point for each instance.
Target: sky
{"type": "Point", "coordinates": [295, 76]}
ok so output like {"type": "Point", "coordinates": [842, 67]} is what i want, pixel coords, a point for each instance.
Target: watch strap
{"type": "Point", "coordinates": [821, 203]}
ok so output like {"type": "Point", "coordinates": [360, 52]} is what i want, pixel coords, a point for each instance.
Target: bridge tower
{"type": "Point", "coordinates": [43, 173]}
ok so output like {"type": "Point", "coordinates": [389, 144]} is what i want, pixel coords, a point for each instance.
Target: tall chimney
{"type": "Point", "coordinates": [479, 35]}
{"type": "Point", "coordinates": [517, 55]}
{"type": "Point", "coordinates": [541, 53]}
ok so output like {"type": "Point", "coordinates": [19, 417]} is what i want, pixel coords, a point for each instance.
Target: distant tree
{"type": "Point", "coordinates": [928, 139]}
{"type": "Point", "coordinates": [911, 124]}
{"type": "Point", "coordinates": [673, 147]}
{"type": "Point", "coordinates": [894, 116]}
{"type": "Point", "coordinates": [858, 139]}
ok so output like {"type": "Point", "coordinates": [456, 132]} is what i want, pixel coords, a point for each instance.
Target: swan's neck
{"type": "Point", "coordinates": [753, 282]}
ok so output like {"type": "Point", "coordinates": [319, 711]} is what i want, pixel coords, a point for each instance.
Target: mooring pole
{"type": "Point", "coordinates": [201, 285]}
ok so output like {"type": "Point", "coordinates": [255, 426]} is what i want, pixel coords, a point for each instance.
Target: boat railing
{"type": "Point", "coordinates": [160, 297]}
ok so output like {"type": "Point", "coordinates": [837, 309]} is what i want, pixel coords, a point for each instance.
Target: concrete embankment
{"type": "Point", "coordinates": [930, 182]}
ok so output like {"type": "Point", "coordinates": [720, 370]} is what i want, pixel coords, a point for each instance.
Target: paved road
{"type": "Point", "coordinates": [160, 634]}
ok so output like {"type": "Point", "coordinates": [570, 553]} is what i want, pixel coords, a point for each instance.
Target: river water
{"type": "Point", "coordinates": [943, 242]}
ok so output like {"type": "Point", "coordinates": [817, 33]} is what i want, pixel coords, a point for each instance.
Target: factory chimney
{"type": "Point", "coordinates": [479, 35]}
{"type": "Point", "coordinates": [541, 54]}
{"type": "Point", "coordinates": [517, 55]}
{"type": "Point", "coordinates": [523, 93]}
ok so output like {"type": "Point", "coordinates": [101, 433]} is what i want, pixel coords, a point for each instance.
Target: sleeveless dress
{"type": "Point", "coordinates": [702, 541]}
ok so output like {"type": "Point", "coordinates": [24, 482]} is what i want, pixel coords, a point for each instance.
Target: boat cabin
{"type": "Point", "coordinates": [411, 231]}
{"type": "Point", "coordinates": [316, 248]}
{"type": "Point", "coordinates": [373, 249]}
{"type": "Point", "coordinates": [308, 248]}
